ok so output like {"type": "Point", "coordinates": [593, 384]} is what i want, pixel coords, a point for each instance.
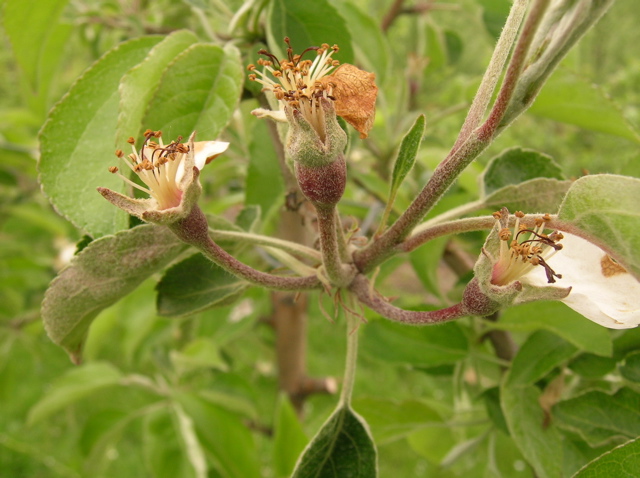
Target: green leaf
{"type": "Point", "coordinates": [392, 420]}
{"type": "Point", "coordinates": [264, 185]}
{"type": "Point", "coordinates": [106, 270]}
{"type": "Point", "coordinates": [249, 218]}
{"type": "Point", "coordinates": [78, 140]}
{"type": "Point", "coordinates": [425, 262]}
{"type": "Point", "coordinates": [342, 447]}
{"type": "Point", "coordinates": [307, 24]}
{"type": "Point", "coordinates": [76, 384]}
{"type": "Point", "coordinates": [541, 353]}
{"type": "Point", "coordinates": [223, 436]}
{"type": "Point", "coordinates": [515, 166]}
{"type": "Point", "coordinates": [407, 155]}
{"type": "Point", "coordinates": [202, 353]}
{"type": "Point", "coordinates": [535, 195]}
{"type": "Point", "coordinates": [562, 321]}
{"type": "Point", "coordinates": [621, 462]}
{"type": "Point", "coordinates": [196, 284]}
{"type": "Point", "coordinates": [592, 366]}
{"type": "Point", "coordinates": [198, 92]}
{"type": "Point", "coordinates": [32, 27]}
{"type": "Point", "coordinates": [570, 99]}
{"type": "Point", "coordinates": [374, 54]}
{"type": "Point", "coordinates": [289, 439]}
{"type": "Point", "coordinates": [605, 208]}
{"type": "Point", "coordinates": [163, 453]}
{"type": "Point", "coordinates": [542, 447]}
{"type": "Point", "coordinates": [140, 82]}
{"type": "Point", "coordinates": [424, 346]}
{"type": "Point", "coordinates": [600, 418]}
{"type": "Point", "coordinates": [631, 367]}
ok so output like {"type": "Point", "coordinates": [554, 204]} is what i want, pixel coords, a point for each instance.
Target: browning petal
{"type": "Point", "coordinates": [355, 94]}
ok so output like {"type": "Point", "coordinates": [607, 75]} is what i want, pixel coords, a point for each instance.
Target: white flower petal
{"type": "Point", "coordinates": [204, 152]}
{"type": "Point", "coordinates": [601, 290]}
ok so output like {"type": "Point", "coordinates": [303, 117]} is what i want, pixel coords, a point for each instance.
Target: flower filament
{"type": "Point", "coordinates": [158, 166]}
{"type": "Point", "coordinates": [298, 83]}
{"type": "Point", "coordinates": [518, 256]}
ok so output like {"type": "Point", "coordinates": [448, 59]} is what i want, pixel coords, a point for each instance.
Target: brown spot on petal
{"type": "Point", "coordinates": [610, 267]}
{"type": "Point", "coordinates": [355, 92]}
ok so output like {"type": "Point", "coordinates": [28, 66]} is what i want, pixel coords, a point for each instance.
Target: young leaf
{"type": "Point", "coordinates": [605, 207]}
{"type": "Point", "coordinates": [31, 25]}
{"type": "Point", "coordinates": [631, 367]}
{"type": "Point", "coordinates": [196, 284]}
{"type": "Point", "coordinates": [106, 270]}
{"type": "Point", "coordinates": [307, 24]}
{"type": "Point", "coordinates": [425, 347]}
{"type": "Point", "coordinates": [223, 436]}
{"type": "Point", "coordinates": [541, 447]}
{"type": "Point", "coordinates": [572, 327]}
{"type": "Point", "coordinates": [140, 82]}
{"type": "Point", "coordinates": [618, 415]}
{"type": "Point", "coordinates": [374, 54]}
{"type": "Point", "coordinates": [407, 155]}
{"type": "Point", "coordinates": [515, 166]}
{"type": "Point", "coordinates": [570, 99]}
{"type": "Point", "coordinates": [289, 439]}
{"type": "Point", "coordinates": [541, 352]}
{"type": "Point", "coordinates": [264, 185]}
{"type": "Point", "coordinates": [74, 385]}
{"type": "Point", "coordinates": [198, 92]}
{"type": "Point", "coordinates": [342, 447]}
{"type": "Point", "coordinates": [77, 142]}
{"type": "Point", "coordinates": [621, 462]}
{"type": "Point", "coordinates": [535, 195]}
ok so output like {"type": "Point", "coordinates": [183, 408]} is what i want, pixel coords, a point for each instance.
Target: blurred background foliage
{"type": "Point", "coordinates": [149, 381]}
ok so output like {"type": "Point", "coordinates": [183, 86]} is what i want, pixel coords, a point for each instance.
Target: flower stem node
{"type": "Point", "coordinates": [170, 174]}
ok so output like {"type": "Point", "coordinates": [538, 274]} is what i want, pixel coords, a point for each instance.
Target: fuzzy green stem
{"type": "Point", "coordinates": [259, 240]}
{"type": "Point", "coordinates": [338, 273]}
{"type": "Point", "coordinates": [194, 231]}
{"type": "Point", "coordinates": [458, 158]}
{"type": "Point", "coordinates": [494, 71]}
{"type": "Point", "coordinates": [353, 322]}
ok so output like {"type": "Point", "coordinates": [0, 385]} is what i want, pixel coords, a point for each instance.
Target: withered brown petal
{"type": "Point", "coordinates": [355, 92]}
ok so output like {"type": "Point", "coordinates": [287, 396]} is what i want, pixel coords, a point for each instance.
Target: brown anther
{"type": "Point", "coordinates": [534, 261]}
{"type": "Point", "coordinates": [519, 214]}
{"type": "Point", "coordinates": [251, 67]}
{"type": "Point", "coordinates": [504, 234]}
{"type": "Point", "coordinates": [137, 168]}
{"type": "Point", "coordinates": [539, 221]}
{"type": "Point", "coordinates": [113, 169]}
{"type": "Point", "coordinates": [133, 157]}
{"type": "Point", "coordinates": [130, 140]}
{"type": "Point", "coordinates": [119, 153]}
{"type": "Point", "coordinates": [252, 77]}
{"type": "Point", "coordinates": [497, 215]}
{"type": "Point", "coordinates": [546, 218]}
{"type": "Point", "coordinates": [148, 133]}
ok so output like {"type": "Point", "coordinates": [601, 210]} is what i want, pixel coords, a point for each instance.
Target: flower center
{"type": "Point", "coordinates": [157, 165]}
{"type": "Point", "coordinates": [523, 249]}
{"type": "Point", "coordinates": [298, 83]}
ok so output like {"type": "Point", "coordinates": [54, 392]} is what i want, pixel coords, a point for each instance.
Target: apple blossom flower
{"type": "Point", "coordinates": [170, 173]}
{"type": "Point", "coordinates": [317, 88]}
{"type": "Point", "coordinates": [527, 264]}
